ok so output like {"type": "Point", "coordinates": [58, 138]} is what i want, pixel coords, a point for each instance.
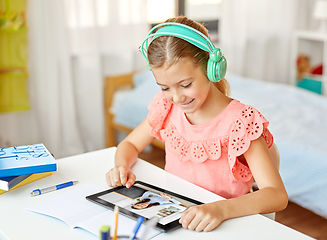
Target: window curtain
{"type": "Point", "coordinates": [255, 37]}
{"type": "Point", "coordinates": [73, 44]}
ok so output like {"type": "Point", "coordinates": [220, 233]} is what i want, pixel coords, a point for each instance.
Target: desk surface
{"type": "Point", "coordinates": [18, 223]}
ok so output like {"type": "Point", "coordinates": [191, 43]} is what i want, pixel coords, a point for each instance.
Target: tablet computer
{"type": "Point", "coordinates": [148, 201]}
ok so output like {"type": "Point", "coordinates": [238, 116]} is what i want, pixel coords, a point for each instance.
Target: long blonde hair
{"type": "Point", "coordinates": [168, 50]}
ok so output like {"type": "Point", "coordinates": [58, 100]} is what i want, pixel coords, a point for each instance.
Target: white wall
{"type": "Point", "coordinates": [204, 12]}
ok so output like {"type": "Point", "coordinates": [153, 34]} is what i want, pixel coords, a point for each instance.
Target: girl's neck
{"type": "Point", "coordinates": [215, 103]}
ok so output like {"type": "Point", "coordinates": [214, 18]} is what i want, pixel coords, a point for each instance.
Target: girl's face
{"type": "Point", "coordinates": [184, 84]}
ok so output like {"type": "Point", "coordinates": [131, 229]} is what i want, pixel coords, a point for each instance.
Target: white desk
{"type": "Point", "coordinates": [18, 223]}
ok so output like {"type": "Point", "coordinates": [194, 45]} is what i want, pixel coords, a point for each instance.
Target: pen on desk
{"type": "Point", "coordinates": [116, 210]}
{"type": "Point", "coordinates": [105, 233]}
{"type": "Point", "coordinates": [37, 192]}
{"type": "Point", "coordinates": [137, 227]}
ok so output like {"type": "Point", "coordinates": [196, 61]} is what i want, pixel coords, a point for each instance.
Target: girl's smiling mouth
{"type": "Point", "coordinates": [186, 105]}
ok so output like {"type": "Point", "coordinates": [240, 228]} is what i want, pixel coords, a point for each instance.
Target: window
{"type": "Point", "coordinates": [204, 11]}
{"type": "Point", "coordinates": [92, 13]}
{"type": "Point", "coordinates": [158, 11]}
{"type": "Point", "coordinates": [207, 12]}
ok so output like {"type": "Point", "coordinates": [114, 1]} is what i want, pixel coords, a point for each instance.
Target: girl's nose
{"type": "Point", "coordinates": [178, 97]}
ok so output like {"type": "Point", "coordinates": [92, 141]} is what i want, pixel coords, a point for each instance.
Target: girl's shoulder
{"type": "Point", "coordinates": [159, 103]}
{"type": "Point", "coordinates": [246, 113]}
{"type": "Point", "coordinates": [249, 124]}
{"type": "Point", "coordinates": [159, 109]}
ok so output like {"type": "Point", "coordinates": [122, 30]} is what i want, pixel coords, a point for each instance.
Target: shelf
{"type": "Point", "coordinates": [309, 35]}
{"type": "Point", "coordinates": [314, 45]}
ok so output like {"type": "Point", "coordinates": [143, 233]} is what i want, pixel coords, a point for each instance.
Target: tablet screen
{"type": "Point", "coordinates": [145, 200]}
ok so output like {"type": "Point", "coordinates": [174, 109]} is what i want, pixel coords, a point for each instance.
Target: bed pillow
{"type": "Point", "coordinates": [141, 77]}
{"type": "Point", "coordinates": [133, 109]}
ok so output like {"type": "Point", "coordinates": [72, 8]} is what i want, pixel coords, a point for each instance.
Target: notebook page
{"type": "Point", "coordinates": [76, 211]}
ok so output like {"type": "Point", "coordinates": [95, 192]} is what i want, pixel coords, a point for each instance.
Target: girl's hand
{"type": "Point", "coordinates": [202, 218]}
{"type": "Point", "coordinates": [120, 176]}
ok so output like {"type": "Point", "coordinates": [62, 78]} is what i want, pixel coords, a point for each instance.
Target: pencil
{"type": "Point", "coordinates": [115, 222]}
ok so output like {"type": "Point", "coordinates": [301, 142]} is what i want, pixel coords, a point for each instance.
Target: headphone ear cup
{"type": "Point", "coordinates": [217, 66]}
{"type": "Point", "coordinates": [211, 70]}
{"type": "Point", "coordinates": [221, 68]}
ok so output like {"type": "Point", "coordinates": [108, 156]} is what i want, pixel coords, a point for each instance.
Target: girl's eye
{"type": "Point", "coordinates": [164, 89]}
{"type": "Point", "coordinates": [186, 86]}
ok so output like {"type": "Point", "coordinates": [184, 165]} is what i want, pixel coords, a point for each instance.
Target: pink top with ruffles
{"type": "Point", "coordinates": [206, 154]}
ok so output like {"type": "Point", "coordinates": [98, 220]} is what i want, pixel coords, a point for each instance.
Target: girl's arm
{"type": "Point", "coordinates": [271, 196]}
{"type": "Point", "coordinates": [126, 155]}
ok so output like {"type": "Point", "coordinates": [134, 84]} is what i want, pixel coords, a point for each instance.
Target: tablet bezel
{"type": "Point", "coordinates": [163, 228]}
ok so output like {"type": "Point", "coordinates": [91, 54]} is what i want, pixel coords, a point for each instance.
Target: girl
{"type": "Point", "coordinates": [210, 139]}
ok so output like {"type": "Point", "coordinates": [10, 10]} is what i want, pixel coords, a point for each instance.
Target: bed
{"type": "Point", "coordinates": [297, 117]}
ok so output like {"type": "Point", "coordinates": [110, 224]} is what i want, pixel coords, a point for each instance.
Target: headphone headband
{"type": "Point", "coordinates": [179, 30]}
{"type": "Point", "coordinates": [194, 37]}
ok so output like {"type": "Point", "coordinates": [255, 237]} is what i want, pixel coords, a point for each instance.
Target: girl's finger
{"type": "Point", "coordinates": [187, 218]}
{"type": "Point", "coordinates": [108, 179]}
{"type": "Point", "coordinates": [195, 224]}
{"type": "Point", "coordinates": [201, 225]}
{"type": "Point", "coordinates": [210, 227]}
{"type": "Point", "coordinates": [116, 177]}
{"type": "Point", "coordinates": [130, 180]}
{"type": "Point", "coordinates": [123, 176]}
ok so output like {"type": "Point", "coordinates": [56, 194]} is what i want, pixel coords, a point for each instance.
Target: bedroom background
{"type": "Point", "coordinates": [73, 44]}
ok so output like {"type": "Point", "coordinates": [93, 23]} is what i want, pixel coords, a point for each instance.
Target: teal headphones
{"type": "Point", "coordinates": [217, 64]}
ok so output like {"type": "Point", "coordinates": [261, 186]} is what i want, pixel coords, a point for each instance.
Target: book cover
{"type": "Point", "coordinates": [7, 183]}
{"type": "Point", "coordinates": [29, 179]}
{"type": "Point", "coordinates": [27, 159]}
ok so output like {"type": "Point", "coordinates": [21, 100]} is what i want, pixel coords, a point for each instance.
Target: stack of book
{"type": "Point", "coordinates": [24, 164]}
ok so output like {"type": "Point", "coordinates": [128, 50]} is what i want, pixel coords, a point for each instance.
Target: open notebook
{"type": "Point", "coordinates": [76, 211]}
